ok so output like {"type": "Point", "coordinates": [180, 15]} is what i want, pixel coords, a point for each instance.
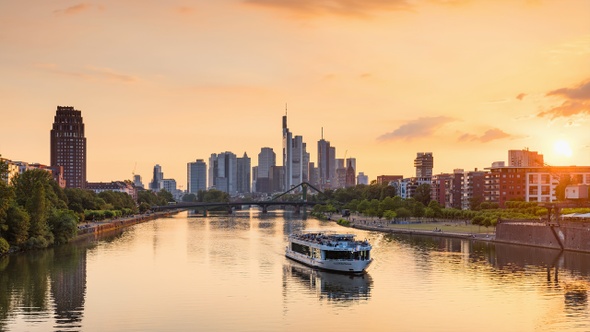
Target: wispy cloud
{"type": "Point", "coordinates": [521, 96]}
{"type": "Point", "coordinates": [73, 10]}
{"type": "Point", "coordinates": [359, 8]}
{"type": "Point", "coordinates": [89, 73]}
{"type": "Point", "coordinates": [422, 127]}
{"type": "Point", "coordinates": [489, 135]}
{"type": "Point", "coordinates": [185, 10]}
{"type": "Point", "coordinates": [576, 101]}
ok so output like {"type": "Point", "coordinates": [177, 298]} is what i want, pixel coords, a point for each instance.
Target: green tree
{"type": "Point", "coordinates": [389, 214]}
{"type": "Point", "coordinates": [214, 195]}
{"type": "Point", "coordinates": [564, 181]}
{"type": "Point", "coordinates": [38, 208]}
{"type": "Point", "coordinates": [403, 212]}
{"type": "Point", "coordinates": [64, 225]}
{"type": "Point", "coordinates": [18, 223]}
{"type": "Point", "coordinates": [189, 198]}
{"type": "Point", "coordinates": [423, 193]}
{"type": "Point", "coordinates": [165, 196]}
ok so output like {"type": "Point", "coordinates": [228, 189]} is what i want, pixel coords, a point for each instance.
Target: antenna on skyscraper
{"type": "Point", "coordinates": [322, 132]}
{"type": "Point", "coordinates": [285, 109]}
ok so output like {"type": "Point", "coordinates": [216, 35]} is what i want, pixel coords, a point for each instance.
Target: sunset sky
{"type": "Point", "coordinates": [168, 82]}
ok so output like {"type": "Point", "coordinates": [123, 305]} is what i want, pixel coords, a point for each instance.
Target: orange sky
{"type": "Point", "coordinates": [168, 82]}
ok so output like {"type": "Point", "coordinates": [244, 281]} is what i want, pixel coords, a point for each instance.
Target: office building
{"type": "Point", "coordinates": [68, 146]}
{"type": "Point", "coordinates": [295, 158]}
{"type": "Point", "coordinates": [196, 176]}
{"type": "Point", "coordinates": [223, 172]}
{"type": "Point", "coordinates": [157, 178]}
{"type": "Point", "coordinates": [267, 159]}
{"type": "Point", "coordinates": [243, 174]}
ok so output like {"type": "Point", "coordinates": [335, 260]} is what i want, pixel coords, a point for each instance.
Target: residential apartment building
{"type": "Point", "coordinates": [531, 184]}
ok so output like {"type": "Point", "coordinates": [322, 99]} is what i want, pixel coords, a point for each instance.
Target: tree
{"type": "Point", "coordinates": [422, 194]}
{"type": "Point", "coordinates": [165, 196]}
{"type": "Point", "coordinates": [37, 192]}
{"type": "Point", "coordinates": [64, 225]}
{"type": "Point", "coordinates": [189, 198]}
{"type": "Point", "coordinates": [18, 223]}
{"type": "Point", "coordinates": [564, 181]}
{"type": "Point", "coordinates": [214, 195]}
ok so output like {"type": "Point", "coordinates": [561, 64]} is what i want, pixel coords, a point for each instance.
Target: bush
{"type": "Point", "coordinates": [4, 246]}
{"type": "Point", "coordinates": [343, 222]}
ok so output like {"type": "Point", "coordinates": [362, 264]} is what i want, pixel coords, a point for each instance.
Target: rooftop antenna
{"type": "Point", "coordinates": [285, 109]}
{"type": "Point", "coordinates": [322, 132]}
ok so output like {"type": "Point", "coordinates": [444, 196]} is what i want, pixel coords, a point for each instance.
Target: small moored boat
{"type": "Point", "coordinates": [330, 251]}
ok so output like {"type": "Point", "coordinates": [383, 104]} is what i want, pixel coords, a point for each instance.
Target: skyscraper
{"type": "Point", "coordinates": [223, 172]}
{"type": "Point", "coordinates": [68, 146]}
{"type": "Point", "coordinates": [324, 161]}
{"type": "Point", "coordinates": [295, 158]}
{"type": "Point", "coordinates": [196, 176]}
{"type": "Point", "coordinates": [266, 160]}
{"type": "Point", "coordinates": [157, 179]}
{"type": "Point", "coordinates": [243, 174]}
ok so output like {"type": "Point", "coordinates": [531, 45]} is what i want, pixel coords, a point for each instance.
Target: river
{"type": "Point", "coordinates": [229, 273]}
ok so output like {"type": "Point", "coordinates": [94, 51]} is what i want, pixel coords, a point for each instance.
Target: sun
{"type": "Point", "coordinates": [562, 148]}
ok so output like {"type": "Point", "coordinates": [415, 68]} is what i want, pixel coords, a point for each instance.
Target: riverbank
{"type": "Point", "coordinates": [454, 229]}
{"type": "Point", "coordinates": [96, 228]}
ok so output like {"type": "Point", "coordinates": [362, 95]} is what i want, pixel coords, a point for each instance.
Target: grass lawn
{"type": "Point", "coordinates": [446, 227]}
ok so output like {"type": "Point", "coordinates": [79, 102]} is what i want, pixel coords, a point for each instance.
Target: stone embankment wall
{"type": "Point", "coordinates": [95, 229]}
{"type": "Point", "coordinates": [565, 235]}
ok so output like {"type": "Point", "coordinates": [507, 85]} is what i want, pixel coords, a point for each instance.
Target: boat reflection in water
{"type": "Point", "coordinates": [330, 285]}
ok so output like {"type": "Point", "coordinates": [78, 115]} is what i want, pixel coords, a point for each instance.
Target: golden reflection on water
{"type": "Point", "coordinates": [229, 273]}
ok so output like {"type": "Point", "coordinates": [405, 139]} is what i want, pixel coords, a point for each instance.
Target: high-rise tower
{"type": "Point", "coordinates": [295, 158]}
{"type": "Point", "coordinates": [424, 164]}
{"type": "Point", "coordinates": [196, 176]}
{"type": "Point", "coordinates": [68, 146]}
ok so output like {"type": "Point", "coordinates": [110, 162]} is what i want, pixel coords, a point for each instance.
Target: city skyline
{"type": "Point", "coordinates": [175, 82]}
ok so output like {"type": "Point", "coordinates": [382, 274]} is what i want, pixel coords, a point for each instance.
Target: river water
{"type": "Point", "coordinates": [229, 273]}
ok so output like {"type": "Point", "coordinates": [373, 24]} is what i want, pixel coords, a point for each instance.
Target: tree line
{"type": "Point", "coordinates": [383, 201]}
{"type": "Point", "coordinates": [35, 212]}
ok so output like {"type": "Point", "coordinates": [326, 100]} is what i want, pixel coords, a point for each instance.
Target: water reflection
{"type": "Point", "coordinates": [333, 287]}
{"type": "Point", "coordinates": [236, 262]}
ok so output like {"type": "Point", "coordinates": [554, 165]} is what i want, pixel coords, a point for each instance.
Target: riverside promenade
{"type": "Point", "coordinates": [428, 227]}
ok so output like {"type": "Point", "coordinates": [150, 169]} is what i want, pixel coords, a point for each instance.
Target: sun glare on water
{"type": "Point", "coordinates": [562, 148]}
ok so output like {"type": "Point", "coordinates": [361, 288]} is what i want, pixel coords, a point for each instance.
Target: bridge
{"type": "Point", "coordinates": [264, 205]}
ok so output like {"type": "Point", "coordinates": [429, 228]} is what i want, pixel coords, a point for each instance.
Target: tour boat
{"type": "Point", "coordinates": [330, 251]}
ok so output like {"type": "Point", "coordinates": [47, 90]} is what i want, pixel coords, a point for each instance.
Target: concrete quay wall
{"type": "Point", "coordinates": [573, 236]}
{"type": "Point", "coordinates": [97, 228]}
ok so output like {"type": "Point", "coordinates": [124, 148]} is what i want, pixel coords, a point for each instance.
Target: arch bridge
{"type": "Point", "coordinates": [264, 205]}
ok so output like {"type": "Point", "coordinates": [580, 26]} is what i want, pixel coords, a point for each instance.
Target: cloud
{"type": "Point", "coordinates": [110, 74]}
{"type": "Point", "coordinates": [577, 101]}
{"type": "Point", "coordinates": [489, 135]}
{"type": "Point", "coordinates": [359, 8]}
{"type": "Point", "coordinates": [75, 9]}
{"type": "Point", "coordinates": [89, 73]}
{"type": "Point", "coordinates": [421, 127]}
{"type": "Point", "coordinates": [521, 96]}
{"type": "Point", "coordinates": [185, 10]}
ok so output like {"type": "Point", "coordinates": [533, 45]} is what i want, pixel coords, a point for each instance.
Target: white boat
{"type": "Point", "coordinates": [330, 251]}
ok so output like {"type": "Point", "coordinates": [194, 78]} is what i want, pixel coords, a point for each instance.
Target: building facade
{"type": "Point", "coordinates": [196, 176]}
{"type": "Point", "coordinates": [525, 158]}
{"type": "Point", "coordinates": [223, 172]}
{"type": "Point", "coordinates": [424, 164]}
{"type": "Point", "coordinates": [267, 159]}
{"type": "Point", "coordinates": [68, 146]}
{"type": "Point", "coordinates": [243, 177]}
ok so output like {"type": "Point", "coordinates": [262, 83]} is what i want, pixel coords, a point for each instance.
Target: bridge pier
{"type": "Point", "coordinates": [264, 209]}
{"type": "Point", "coordinates": [204, 212]}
